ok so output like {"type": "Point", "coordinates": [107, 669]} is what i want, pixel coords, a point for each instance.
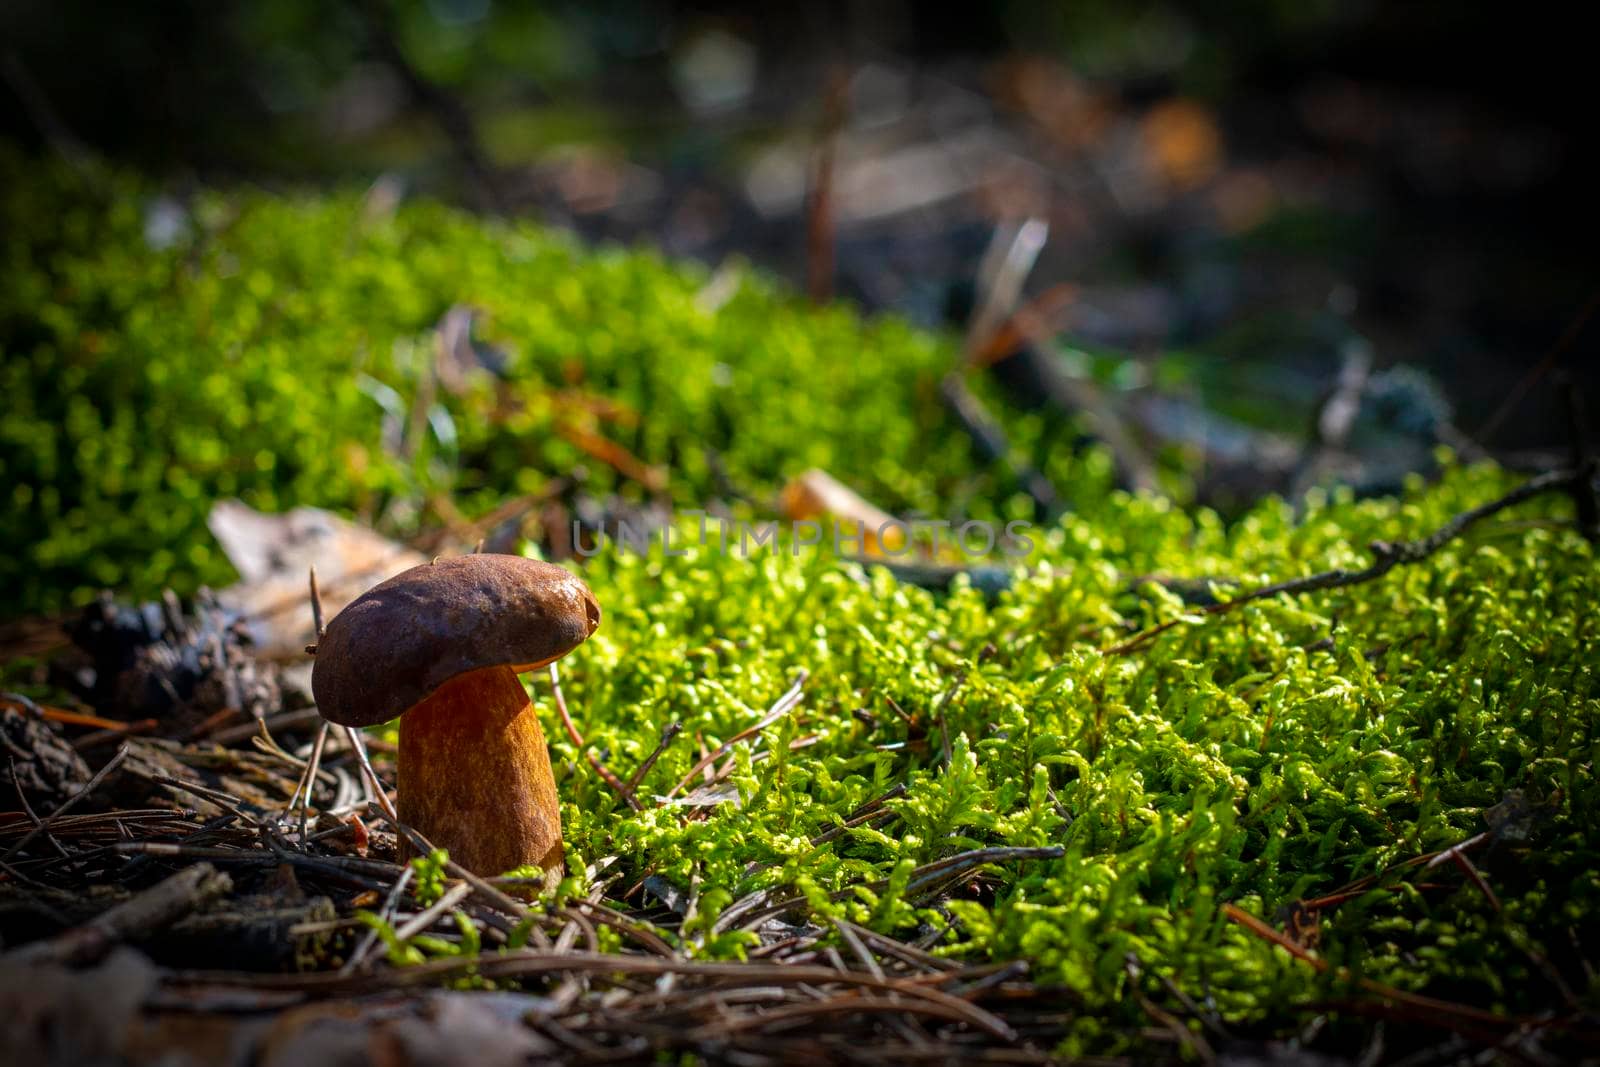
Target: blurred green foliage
{"type": "Point", "coordinates": [158, 357]}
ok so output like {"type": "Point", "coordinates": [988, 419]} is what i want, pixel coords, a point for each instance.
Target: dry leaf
{"type": "Point", "coordinates": [274, 554]}
{"type": "Point", "coordinates": [816, 494]}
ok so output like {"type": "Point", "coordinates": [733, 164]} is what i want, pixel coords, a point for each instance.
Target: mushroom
{"type": "Point", "coordinates": [441, 645]}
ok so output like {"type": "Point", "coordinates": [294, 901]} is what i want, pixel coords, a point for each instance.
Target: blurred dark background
{"type": "Point", "coordinates": [1242, 188]}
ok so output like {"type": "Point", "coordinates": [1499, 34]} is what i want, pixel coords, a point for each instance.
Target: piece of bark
{"type": "Point", "coordinates": [141, 915]}
{"type": "Point", "coordinates": [254, 933]}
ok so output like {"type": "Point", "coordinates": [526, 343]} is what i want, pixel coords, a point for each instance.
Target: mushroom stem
{"type": "Point", "coordinates": [474, 774]}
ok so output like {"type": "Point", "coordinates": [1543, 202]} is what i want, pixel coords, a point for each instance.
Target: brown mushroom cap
{"type": "Point", "coordinates": [392, 646]}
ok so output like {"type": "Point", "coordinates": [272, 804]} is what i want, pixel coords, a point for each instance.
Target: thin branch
{"type": "Point", "coordinates": [1198, 1047]}
{"type": "Point", "coordinates": [820, 196]}
{"type": "Point", "coordinates": [308, 781]}
{"type": "Point", "coordinates": [316, 605]}
{"type": "Point", "coordinates": [448, 111]}
{"type": "Point", "coordinates": [371, 775]}
{"type": "Point", "coordinates": [939, 709]}
{"type": "Point", "coordinates": [577, 739]}
{"type": "Point", "coordinates": [1573, 331]}
{"type": "Point", "coordinates": [1470, 869]}
{"type": "Point", "coordinates": [1007, 262]}
{"type": "Point", "coordinates": [1444, 1008]}
{"type": "Point", "coordinates": [61, 715]}
{"type": "Point", "coordinates": [779, 709]}
{"type": "Point", "coordinates": [228, 803]}
{"type": "Point", "coordinates": [27, 808]}
{"type": "Point", "coordinates": [1583, 461]}
{"type": "Point", "coordinates": [872, 811]}
{"type": "Point", "coordinates": [672, 730]}
{"type": "Point", "coordinates": [990, 441]}
{"type": "Point", "coordinates": [61, 139]}
{"type": "Point", "coordinates": [430, 915]}
{"type": "Point", "coordinates": [1034, 323]}
{"type": "Point", "coordinates": [391, 904]}
{"type": "Point", "coordinates": [1388, 555]}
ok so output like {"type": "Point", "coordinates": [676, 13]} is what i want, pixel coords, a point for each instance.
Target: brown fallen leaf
{"type": "Point", "coordinates": [274, 554]}
{"type": "Point", "coordinates": [817, 494]}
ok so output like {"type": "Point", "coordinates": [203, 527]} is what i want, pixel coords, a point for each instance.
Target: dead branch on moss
{"type": "Point", "coordinates": [1387, 556]}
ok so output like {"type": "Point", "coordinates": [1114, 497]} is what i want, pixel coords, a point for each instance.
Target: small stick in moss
{"type": "Point", "coordinates": [944, 702]}
{"type": "Point", "coordinates": [577, 739]}
{"type": "Point", "coordinates": [1444, 1012]}
{"type": "Point", "coordinates": [369, 775]}
{"type": "Point", "coordinates": [779, 709]}
{"type": "Point", "coordinates": [391, 904]}
{"type": "Point", "coordinates": [1198, 1047]}
{"type": "Point", "coordinates": [872, 811]}
{"type": "Point", "coordinates": [316, 605]}
{"type": "Point", "coordinates": [672, 730]}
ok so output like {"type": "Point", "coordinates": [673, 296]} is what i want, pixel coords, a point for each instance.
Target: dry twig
{"type": "Point", "coordinates": [621, 789]}
{"type": "Point", "coordinates": [1388, 555]}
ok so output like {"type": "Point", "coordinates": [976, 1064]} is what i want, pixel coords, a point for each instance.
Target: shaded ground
{"type": "Point", "coordinates": [1255, 185]}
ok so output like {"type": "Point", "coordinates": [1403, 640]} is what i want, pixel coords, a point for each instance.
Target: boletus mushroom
{"type": "Point", "coordinates": [440, 645]}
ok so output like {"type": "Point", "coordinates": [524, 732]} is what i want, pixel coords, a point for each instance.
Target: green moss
{"type": "Point", "coordinates": [1244, 761]}
{"type": "Point", "coordinates": [255, 356]}
{"type": "Point", "coordinates": [1228, 763]}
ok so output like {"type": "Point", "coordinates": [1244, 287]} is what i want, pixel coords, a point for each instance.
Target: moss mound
{"type": "Point", "coordinates": [158, 357]}
{"type": "Point", "coordinates": [1292, 759]}
{"type": "Point", "coordinates": [1298, 761]}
